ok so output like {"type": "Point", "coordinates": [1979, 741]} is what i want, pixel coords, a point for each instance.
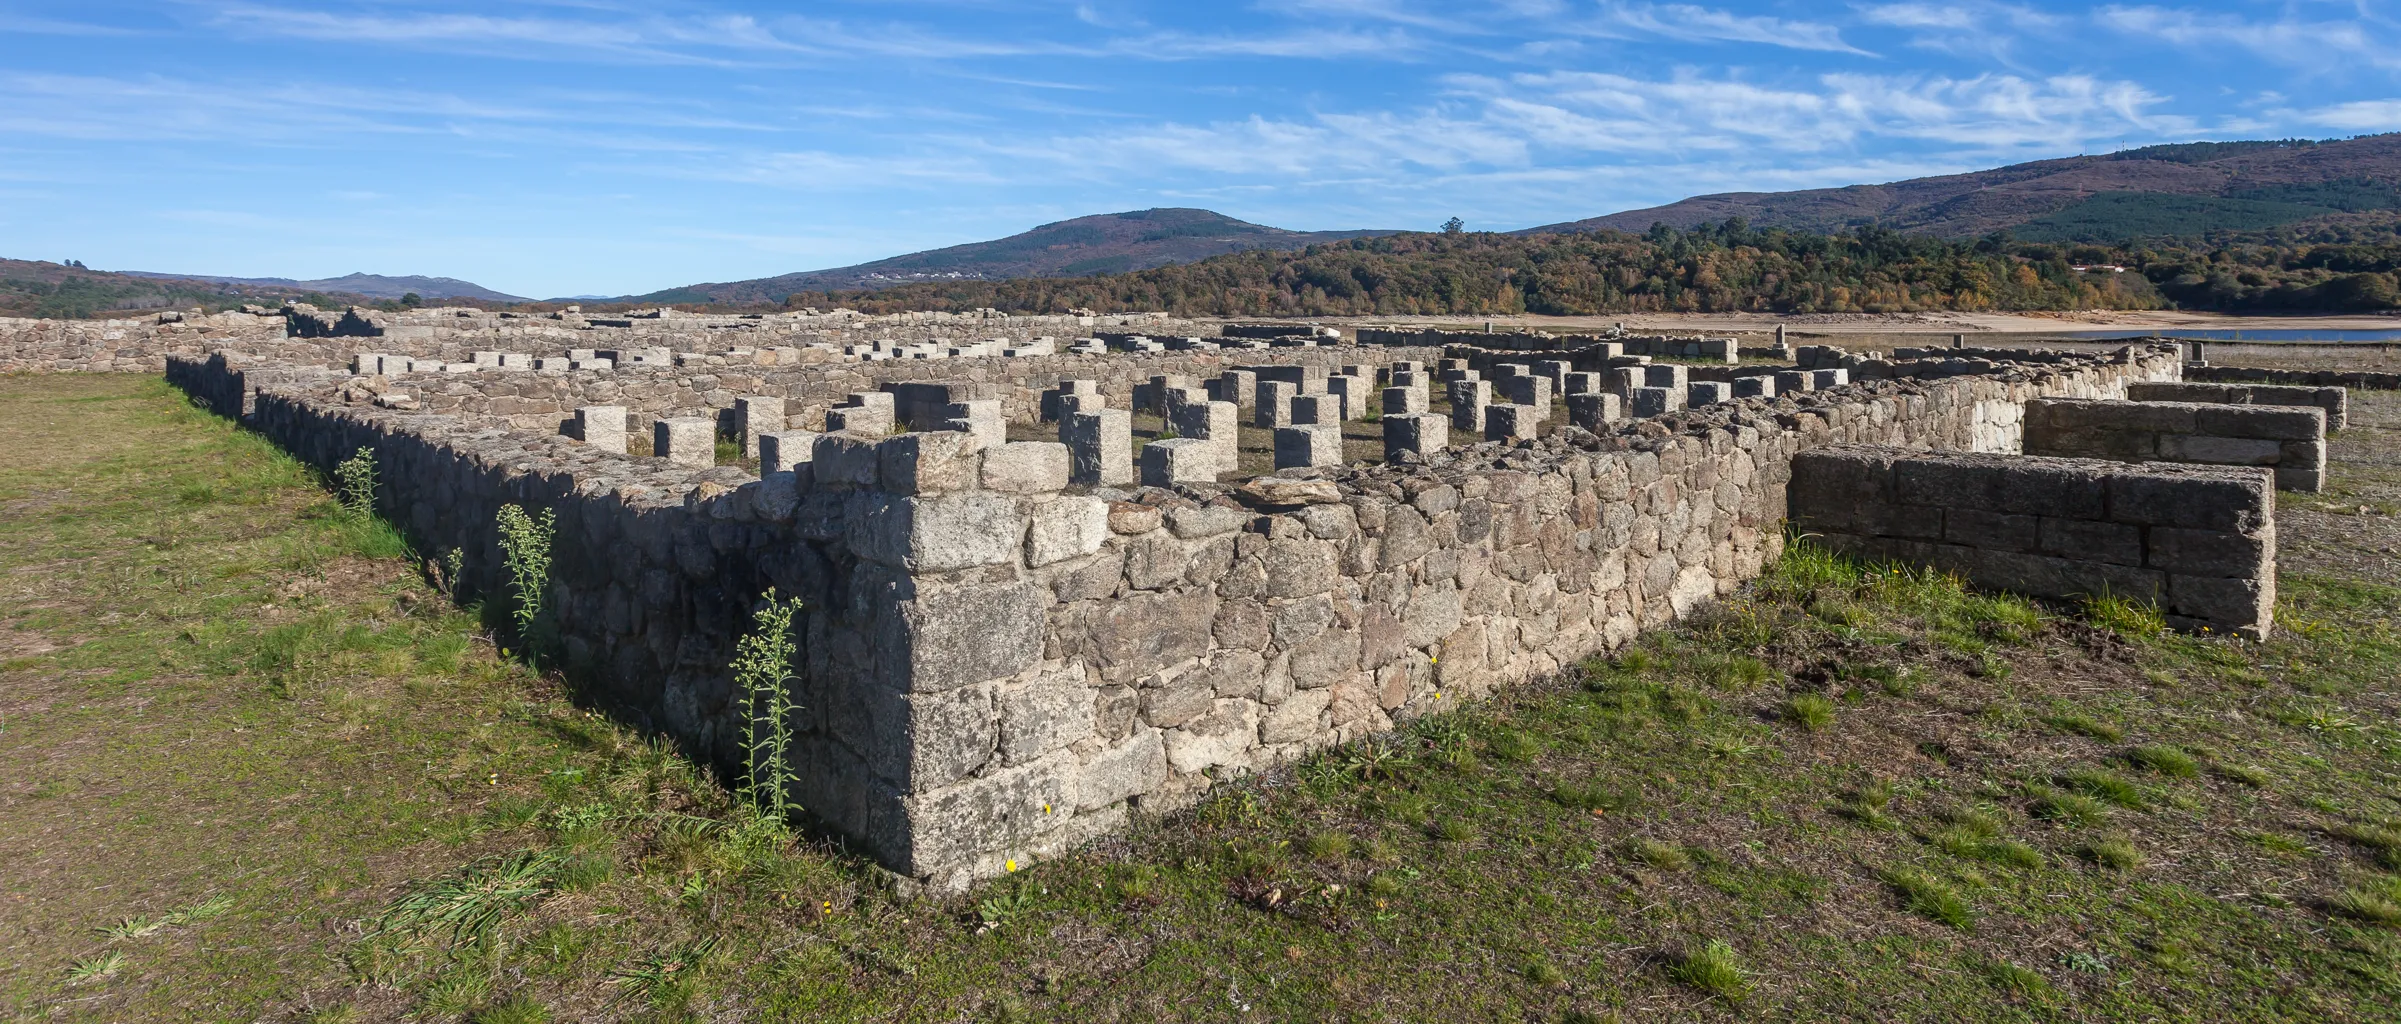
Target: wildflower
{"type": "Point", "coordinates": [1011, 865]}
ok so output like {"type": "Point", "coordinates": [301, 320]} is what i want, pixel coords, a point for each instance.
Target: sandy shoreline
{"type": "Point", "coordinates": [1832, 324]}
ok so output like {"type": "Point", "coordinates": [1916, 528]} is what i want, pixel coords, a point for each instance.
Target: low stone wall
{"type": "Point", "coordinates": [128, 346]}
{"type": "Point", "coordinates": [2300, 378]}
{"type": "Point", "coordinates": [998, 665]}
{"type": "Point", "coordinates": [2336, 401]}
{"type": "Point", "coordinates": [2200, 542]}
{"type": "Point", "coordinates": [544, 400]}
{"type": "Point", "coordinates": [2289, 439]}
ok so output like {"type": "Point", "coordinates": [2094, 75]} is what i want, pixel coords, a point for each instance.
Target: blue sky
{"type": "Point", "coordinates": [599, 146]}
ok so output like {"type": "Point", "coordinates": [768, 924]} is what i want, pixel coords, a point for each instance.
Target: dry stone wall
{"type": "Point", "coordinates": [2289, 439]}
{"type": "Point", "coordinates": [2198, 541]}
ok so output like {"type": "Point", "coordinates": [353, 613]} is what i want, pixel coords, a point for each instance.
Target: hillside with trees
{"type": "Point", "coordinates": [1727, 267]}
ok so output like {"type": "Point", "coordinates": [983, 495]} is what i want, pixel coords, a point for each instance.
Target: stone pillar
{"type": "Point", "coordinates": [1555, 371]}
{"type": "Point", "coordinates": [785, 450]}
{"type": "Point", "coordinates": [1352, 389]}
{"type": "Point", "coordinates": [1100, 446]}
{"type": "Point", "coordinates": [981, 417]}
{"type": "Point", "coordinates": [1240, 387]}
{"type": "Point", "coordinates": [1507, 422]}
{"type": "Point", "coordinates": [1404, 401]}
{"type": "Point", "coordinates": [1317, 410]}
{"type": "Point", "coordinates": [1052, 406]}
{"type": "Point", "coordinates": [1275, 403]}
{"type": "Point", "coordinates": [1179, 460]}
{"type": "Point", "coordinates": [602, 427]}
{"type": "Point", "coordinates": [1793, 381]}
{"type": "Point", "coordinates": [1421, 435]}
{"type": "Point", "coordinates": [687, 441]}
{"type": "Point", "coordinates": [1650, 402]}
{"type": "Point", "coordinates": [864, 412]}
{"type": "Point", "coordinates": [1707, 392]}
{"type": "Point", "coordinates": [755, 415]}
{"type": "Point", "coordinates": [1530, 391]}
{"type": "Point", "coordinates": [1218, 423]}
{"type": "Point", "coordinates": [1468, 401]}
{"type": "Point", "coordinates": [1595, 411]}
{"type": "Point", "coordinates": [1755, 386]}
{"type": "Point", "coordinates": [1304, 446]}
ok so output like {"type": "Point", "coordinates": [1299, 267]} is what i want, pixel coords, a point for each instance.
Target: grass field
{"type": "Point", "coordinates": [253, 766]}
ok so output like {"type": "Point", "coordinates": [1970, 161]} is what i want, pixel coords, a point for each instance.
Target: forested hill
{"type": "Point", "coordinates": [2178, 190]}
{"type": "Point", "coordinates": [1725, 267]}
{"type": "Point", "coordinates": [1719, 268]}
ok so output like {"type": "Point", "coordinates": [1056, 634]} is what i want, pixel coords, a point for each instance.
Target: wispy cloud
{"type": "Point", "coordinates": [1704, 24]}
{"type": "Point", "coordinates": [2286, 40]}
{"type": "Point", "coordinates": [2364, 116]}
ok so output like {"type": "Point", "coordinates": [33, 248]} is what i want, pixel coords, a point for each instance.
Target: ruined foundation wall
{"type": "Point", "coordinates": [998, 666]}
{"type": "Point", "coordinates": [132, 345]}
{"type": "Point", "coordinates": [2298, 378]}
{"type": "Point", "coordinates": [542, 400]}
{"type": "Point", "coordinates": [2198, 541]}
{"type": "Point", "coordinates": [2290, 439]}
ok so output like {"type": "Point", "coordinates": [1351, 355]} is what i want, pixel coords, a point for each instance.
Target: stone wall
{"type": "Point", "coordinates": [128, 346]}
{"type": "Point", "coordinates": [998, 666]}
{"type": "Point", "coordinates": [2299, 378]}
{"type": "Point", "coordinates": [2289, 439]}
{"type": "Point", "coordinates": [2198, 541]}
{"type": "Point", "coordinates": [542, 400]}
{"type": "Point", "coordinates": [2336, 401]}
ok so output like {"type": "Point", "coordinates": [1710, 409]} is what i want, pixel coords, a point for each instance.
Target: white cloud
{"type": "Point", "coordinates": [2364, 116]}
{"type": "Point", "coordinates": [2287, 40]}
{"type": "Point", "coordinates": [1702, 24]}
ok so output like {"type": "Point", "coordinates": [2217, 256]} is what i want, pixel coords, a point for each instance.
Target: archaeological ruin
{"type": "Point", "coordinates": [1057, 571]}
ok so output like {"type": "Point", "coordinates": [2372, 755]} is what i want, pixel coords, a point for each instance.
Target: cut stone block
{"type": "Point", "coordinates": [1594, 412]}
{"type": "Point", "coordinates": [1707, 392]}
{"type": "Point", "coordinates": [1421, 435]}
{"type": "Point", "coordinates": [1100, 447]}
{"type": "Point", "coordinates": [786, 450]}
{"type": "Point", "coordinates": [1649, 402]}
{"type": "Point", "coordinates": [1506, 422]}
{"type": "Point", "coordinates": [1352, 390]}
{"type": "Point", "coordinates": [755, 415]}
{"type": "Point", "coordinates": [1404, 401]}
{"type": "Point", "coordinates": [1180, 460]}
{"type": "Point", "coordinates": [1313, 410]}
{"type": "Point", "coordinates": [1582, 384]}
{"type": "Point", "coordinates": [1823, 379]}
{"type": "Point", "coordinates": [1275, 403]}
{"type": "Point", "coordinates": [1666, 376]}
{"type": "Point", "coordinates": [602, 427]}
{"type": "Point", "coordinates": [1304, 446]}
{"type": "Point", "coordinates": [1026, 467]}
{"type": "Point", "coordinates": [1755, 386]}
{"type": "Point", "coordinates": [685, 441]}
{"type": "Point", "coordinates": [1792, 381]}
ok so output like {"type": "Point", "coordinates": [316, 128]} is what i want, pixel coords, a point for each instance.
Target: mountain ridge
{"type": "Point", "coordinates": [2049, 199]}
{"type": "Point", "coordinates": [1102, 243]}
{"type": "Point", "coordinates": [373, 286]}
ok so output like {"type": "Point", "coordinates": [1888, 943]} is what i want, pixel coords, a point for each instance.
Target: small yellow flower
{"type": "Point", "coordinates": [1012, 864]}
{"type": "Point", "coordinates": [1046, 808]}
